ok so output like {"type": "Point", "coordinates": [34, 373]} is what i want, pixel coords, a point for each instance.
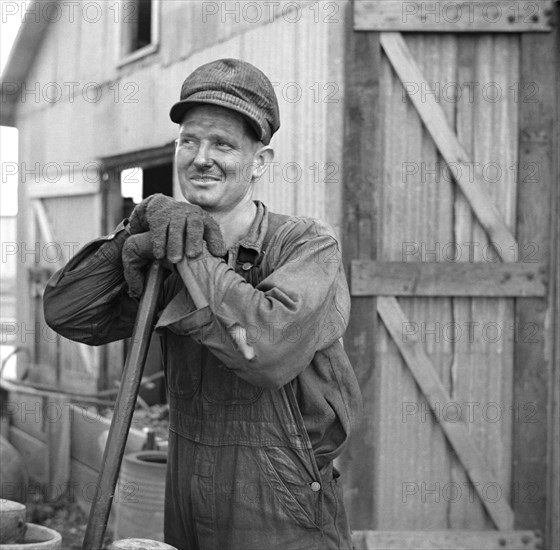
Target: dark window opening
{"type": "Point", "coordinates": [139, 183]}
{"type": "Point", "coordinates": [144, 16]}
{"type": "Point", "coordinates": [137, 26]}
{"type": "Point", "coordinates": [158, 179]}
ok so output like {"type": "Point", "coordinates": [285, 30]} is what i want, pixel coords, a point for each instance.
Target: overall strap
{"type": "Point", "coordinates": [248, 258]}
{"type": "Point", "coordinates": [275, 221]}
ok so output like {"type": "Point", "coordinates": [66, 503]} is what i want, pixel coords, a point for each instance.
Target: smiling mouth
{"type": "Point", "coordinates": [204, 179]}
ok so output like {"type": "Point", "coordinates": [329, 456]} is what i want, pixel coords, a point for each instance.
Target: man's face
{"type": "Point", "coordinates": [215, 157]}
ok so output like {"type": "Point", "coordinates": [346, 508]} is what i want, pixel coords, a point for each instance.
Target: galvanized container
{"type": "Point", "coordinates": [140, 544]}
{"type": "Point", "coordinates": [139, 500]}
{"type": "Point", "coordinates": [37, 537]}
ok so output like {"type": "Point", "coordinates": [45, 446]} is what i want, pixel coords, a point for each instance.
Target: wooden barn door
{"type": "Point", "coordinates": [55, 361]}
{"type": "Point", "coordinates": [449, 194]}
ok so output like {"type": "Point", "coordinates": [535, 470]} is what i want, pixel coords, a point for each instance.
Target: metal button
{"type": "Point", "coordinates": [246, 266]}
{"type": "Point", "coordinates": [315, 486]}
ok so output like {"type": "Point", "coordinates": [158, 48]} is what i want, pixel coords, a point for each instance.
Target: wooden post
{"type": "Point", "coordinates": [533, 356]}
{"type": "Point", "coordinates": [552, 532]}
{"type": "Point", "coordinates": [361, 180]}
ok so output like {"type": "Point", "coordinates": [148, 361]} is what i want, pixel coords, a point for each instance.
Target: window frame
{"type": "Point", "coordinates": [151, 48]}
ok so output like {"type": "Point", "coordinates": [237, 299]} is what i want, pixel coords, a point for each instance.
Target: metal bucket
{"type": "Point", "coordinates": [140, 544]}
{"type": "Point", "coordinates": [12, 521]}
{"type": "Point", "coordinates": [139, 500]}
{"type": "Point", "coordinates": [36, 537]}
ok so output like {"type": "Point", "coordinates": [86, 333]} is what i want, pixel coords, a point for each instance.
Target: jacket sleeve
{"type": "Point", "coordinates": [301, 307]}
{"type": "Point", "coordinates": [87, 300]}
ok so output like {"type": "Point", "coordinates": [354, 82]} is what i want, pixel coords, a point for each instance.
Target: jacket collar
{"type": "Point", "coordinates": [254, 238]}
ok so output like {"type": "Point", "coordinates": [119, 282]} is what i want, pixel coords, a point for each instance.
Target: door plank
{"type": "Point", "coordinates": [534, 364]}
{"type": "Point", "coordinates": [58, 429]}
{"type": "Point", "coordinates": [47, 234]}
{"type": "Point", "coordinates": [371, 278]}
{"type": "Point", "coordinates": [453, 16]}
{"type": "Point", "coordinates": [361, 182]}
{"type": "Point", "coordinates": [406, 203]}
{"type": "Point", "coordinates": [434, 391]}
{"type": "Point", "coordinates": [46, 230]}
{"type": "Point", "coordinates": [482, 370]}
{"type": "Point", "coordinates": [444, 540]}
{"type": "Point", "coordinates": [451, 150]}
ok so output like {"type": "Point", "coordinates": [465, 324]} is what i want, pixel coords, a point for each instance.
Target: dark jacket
{"type": "Point", "coordinates": [294, 305]}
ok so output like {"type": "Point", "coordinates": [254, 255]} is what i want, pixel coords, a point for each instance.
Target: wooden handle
{"type": "Point", "coordinates": [191, 283]}
{"type": "Point", "coordinates": [124, 408]}
{"type": "Point", "coordinates": [238, 333]}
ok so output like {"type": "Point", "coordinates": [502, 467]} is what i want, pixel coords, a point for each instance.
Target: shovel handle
{"type": "Point", "coordinates": [191, 283]}
{"type": "Point", "coordinates": [238, 333]}
{"type": "Point", "coordinates": [124, 408]}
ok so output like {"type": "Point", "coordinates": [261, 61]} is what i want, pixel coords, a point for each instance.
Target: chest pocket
{"type": "Point", "coordinates": [182, 357]}
{"type": "Point", "coordinates": [219, 384]}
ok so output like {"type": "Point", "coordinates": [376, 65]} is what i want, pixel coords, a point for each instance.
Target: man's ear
{"type": "Point", "coordinates": [263, 157]}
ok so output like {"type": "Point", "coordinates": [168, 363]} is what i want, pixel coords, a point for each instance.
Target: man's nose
{"type": "Point", "coordinates": [203, 157]}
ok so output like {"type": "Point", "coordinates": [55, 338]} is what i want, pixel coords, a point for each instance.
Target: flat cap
{"type": "Point", "coordinates": [236, 85]}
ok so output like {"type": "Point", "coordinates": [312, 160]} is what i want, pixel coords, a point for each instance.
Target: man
{"type": "Point", "coordinates": [252, 435]}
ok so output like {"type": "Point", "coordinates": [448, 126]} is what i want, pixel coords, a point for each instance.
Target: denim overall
{"type": "Point", "coordinates": [241, 473]}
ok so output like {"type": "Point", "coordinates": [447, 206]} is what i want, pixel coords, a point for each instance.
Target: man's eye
{"type": "Point", "coordinates": [223, 145]}
{"type": "Point", "coordinates": [185, 142]}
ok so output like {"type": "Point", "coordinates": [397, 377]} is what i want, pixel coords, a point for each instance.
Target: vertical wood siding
{"type": "Point", "coordinates": [413, 210]}
{"type": "Point", "coordinates": [419, 484]}
{"type": "Point", "coordinates": [484, 370]}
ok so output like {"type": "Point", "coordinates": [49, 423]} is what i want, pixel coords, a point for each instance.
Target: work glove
{"type": "Point", "coordinates": [137, 255]}
{"type": "Point", "coordinates": [177, 229]}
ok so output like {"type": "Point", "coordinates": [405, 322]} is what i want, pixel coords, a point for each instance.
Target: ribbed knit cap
{"type": "Point", "coordinates": [236, 85]}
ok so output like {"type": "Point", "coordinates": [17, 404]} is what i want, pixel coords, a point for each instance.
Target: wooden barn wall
{"type": "Point", "coordinates": [302, 58]}
{"type": "Point", "coordinates": [62, 140]}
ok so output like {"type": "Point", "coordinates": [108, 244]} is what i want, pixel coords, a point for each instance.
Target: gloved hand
{"type": "Point", "coordinates": [137, 255]}
{"type": "Point", "coordinates": [176, 228]}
